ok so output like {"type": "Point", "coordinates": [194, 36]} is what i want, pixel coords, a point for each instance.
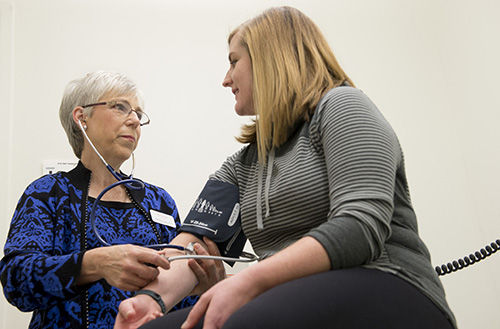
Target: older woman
{"type": "Point", "coordinates": [54, 264]}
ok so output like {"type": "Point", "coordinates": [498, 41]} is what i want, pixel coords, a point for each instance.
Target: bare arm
{"type": "Point", "coordinates": [305, 257]}
{"type": "Point", "coordinates": [172, 285]}
{"type": "Point", "coordinates": [177, 282]}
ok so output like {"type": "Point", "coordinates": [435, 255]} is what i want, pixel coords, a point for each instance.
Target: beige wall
{"type": "Point", "coordinates": [430, 65]}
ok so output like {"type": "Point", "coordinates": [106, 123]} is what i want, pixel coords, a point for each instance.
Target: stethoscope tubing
{"type": "Point", "coordinates": [227, 259]}
{"type": "Point", "coordinates": [136, 184]}
{"type": "Point", "coordinates": [245, 257]}
{"type": "Point", "coordinates": [92, 215]}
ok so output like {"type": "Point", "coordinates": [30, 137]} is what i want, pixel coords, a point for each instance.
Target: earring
{"type": "Point", "coordinates": [85, 127]}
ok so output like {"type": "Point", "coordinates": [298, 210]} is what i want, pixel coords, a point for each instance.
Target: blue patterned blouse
{"type": "Point", "coordinates": [47, 240]}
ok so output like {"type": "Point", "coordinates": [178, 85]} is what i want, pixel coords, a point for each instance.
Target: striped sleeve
{"type": "Point", "coordinates": [362, 154]}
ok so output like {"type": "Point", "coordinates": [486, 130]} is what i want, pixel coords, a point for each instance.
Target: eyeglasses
{"type": "Point", "coordinates": [124, 109]}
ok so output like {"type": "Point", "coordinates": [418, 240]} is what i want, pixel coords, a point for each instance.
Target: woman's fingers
{"type": "Point", "coordinates": [132, 267]}
{"type": "Point", "coordinates": [196, 313]}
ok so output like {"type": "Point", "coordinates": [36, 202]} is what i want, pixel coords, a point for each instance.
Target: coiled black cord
{"type": "Point", "coordinates": [468, 260]}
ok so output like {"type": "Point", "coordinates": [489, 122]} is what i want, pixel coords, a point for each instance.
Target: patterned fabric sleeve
{"type": "Point", "coordinates": [34, 273]}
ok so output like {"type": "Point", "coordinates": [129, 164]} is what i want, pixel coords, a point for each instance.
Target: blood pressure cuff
{"type": "Point", "coordinates": [216, 215]}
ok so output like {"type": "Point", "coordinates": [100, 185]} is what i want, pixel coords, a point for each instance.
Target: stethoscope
{"type": "Point", "coordinates": [135, 184]}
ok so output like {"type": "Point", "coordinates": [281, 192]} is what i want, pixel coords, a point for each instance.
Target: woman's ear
{"type": "Point", "coordinates": [79, 115]}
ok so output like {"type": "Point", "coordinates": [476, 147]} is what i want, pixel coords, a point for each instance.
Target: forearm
{"type": "Point", "coordinates": [25, 280]}
{"type": "Point", "coordinates": [177, 282]}
{"type": "Point", "coordinates": [305, 257]}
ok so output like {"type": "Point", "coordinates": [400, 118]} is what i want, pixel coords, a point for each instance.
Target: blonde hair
{"type": "Point", "coordinates": [293, 67]}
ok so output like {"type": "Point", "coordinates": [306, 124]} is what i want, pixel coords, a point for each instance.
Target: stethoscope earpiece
{"type": "Point", "coordinates": [82, 127]}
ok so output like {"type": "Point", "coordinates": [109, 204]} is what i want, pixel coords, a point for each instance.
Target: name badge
{"type": "Point", "coordinates": [162, 218]}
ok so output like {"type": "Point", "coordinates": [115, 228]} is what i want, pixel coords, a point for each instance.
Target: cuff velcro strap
{"type": "Point", "coordinates": [155, 296]}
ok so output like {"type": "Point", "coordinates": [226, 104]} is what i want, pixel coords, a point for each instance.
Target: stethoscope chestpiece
{"type": "Point", "coordinates": [190, 249]}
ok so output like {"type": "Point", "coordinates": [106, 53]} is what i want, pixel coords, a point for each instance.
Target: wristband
{"type": "Point", "coordinates": [155, 296]}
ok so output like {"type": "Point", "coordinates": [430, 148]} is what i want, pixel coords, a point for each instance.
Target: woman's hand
{"type": "Point", "coordinates": [222, 300]}
{"type": "Point", "coordinates": [136, 311]}
{"type": "Point", "coordinates": [208, 271]}
{"type": "Point", "coordinates": [126, 267]}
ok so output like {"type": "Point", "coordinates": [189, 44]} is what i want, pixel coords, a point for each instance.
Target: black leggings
{"type": "Point", "coordinates": [347, 299]}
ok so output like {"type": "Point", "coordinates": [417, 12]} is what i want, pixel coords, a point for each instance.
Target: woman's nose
{"type": "Point", "coordinates": [133, 118]}
{"type": "Point", "coordinates": [227, 80]}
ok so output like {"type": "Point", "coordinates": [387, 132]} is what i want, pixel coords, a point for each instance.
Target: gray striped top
{"type": "Point", "coordinates": [340, 179]}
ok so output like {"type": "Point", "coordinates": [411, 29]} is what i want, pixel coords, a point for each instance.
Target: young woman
{"type": "Point", "coordinates": [323, 195]}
